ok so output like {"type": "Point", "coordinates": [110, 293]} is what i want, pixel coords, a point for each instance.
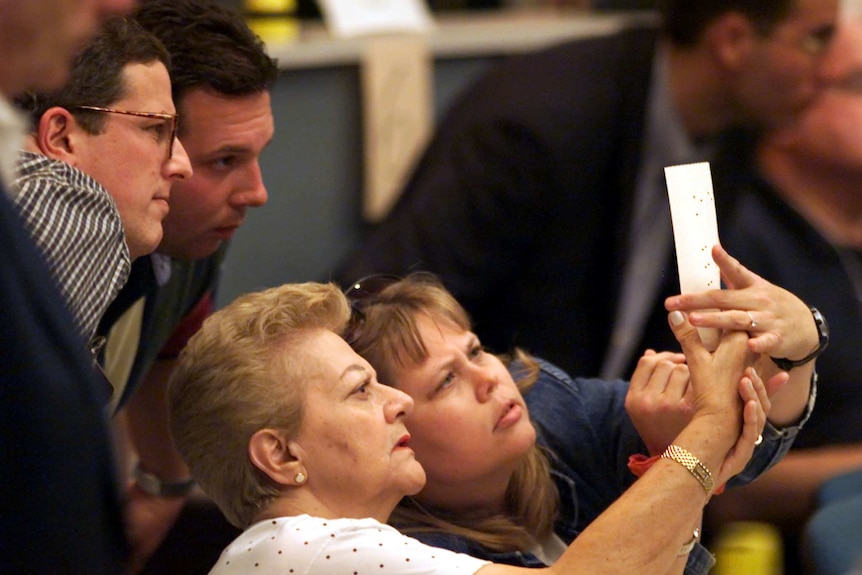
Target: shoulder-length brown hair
{"type": "Point", "coordinates": [388, 337]}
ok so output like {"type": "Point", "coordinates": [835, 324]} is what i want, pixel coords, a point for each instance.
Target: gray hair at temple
{"type": "Point", "coordinates": [97, 77]}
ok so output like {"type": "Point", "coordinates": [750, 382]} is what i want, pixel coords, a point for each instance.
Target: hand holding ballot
{"type": "Point", "coordinates": [778, 323]}
{"type": "Point", "coordinates": [782, 329]}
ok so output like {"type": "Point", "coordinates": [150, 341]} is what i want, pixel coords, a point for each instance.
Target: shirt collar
{"type": "Point", "coordinates": [667, 141]}
{"type": "Point", "coordinates": [161, 268]}
{"type": "Point", "coordinates": [13, 128]}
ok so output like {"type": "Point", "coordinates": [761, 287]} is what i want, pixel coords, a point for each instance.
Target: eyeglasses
{"type": "Point", "coordinates": [360, 294]}
{"type": "Point", "coordinates": [173, 118]}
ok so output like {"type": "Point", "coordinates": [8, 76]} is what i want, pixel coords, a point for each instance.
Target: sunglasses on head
{"type": "Point", "coordinates": [360, 294]}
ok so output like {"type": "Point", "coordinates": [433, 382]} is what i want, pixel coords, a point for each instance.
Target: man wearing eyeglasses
{"type": "Point", "coordinates": [221, 78]}
{"type": "Point", "coordinates": [94, 178]}
{"type": "Point", "coordinates": [800, 223]}
{"type": "Point", "coordinates": [541, 200]}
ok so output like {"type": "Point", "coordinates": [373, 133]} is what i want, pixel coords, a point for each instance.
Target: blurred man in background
{"type": "Point", "coordinates": [60, 512]}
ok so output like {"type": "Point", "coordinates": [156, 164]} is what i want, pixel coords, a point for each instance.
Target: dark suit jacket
{"type": "Point", "coordinates": [522, 203]}
{"type": "Point", "coordinates": [59, 497]}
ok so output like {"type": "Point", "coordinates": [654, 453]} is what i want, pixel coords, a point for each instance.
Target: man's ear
{"type": "Point", "coordinates": [731, 39]}
{"type": "Point", "coordinates": [276, 456]}
{"type": "Point", "coordinates": [57, 134]}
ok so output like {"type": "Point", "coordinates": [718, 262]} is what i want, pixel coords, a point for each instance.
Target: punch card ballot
{"type": "Point", "coordinates": [695, 231]}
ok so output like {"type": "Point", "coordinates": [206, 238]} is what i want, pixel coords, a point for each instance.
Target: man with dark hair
{"type": "Point", "coordinates": [221, 77]}
{"type": "Point", "coordinates": [685, 22]}
{"type": "Point", "coordinates": [541, 201]}
{"type": "Point", "coordinates": [95, 173]}
{"type": "Point", "coordinates": [800, 223]}
{"type": "Point", "coordinates": [60, 511]}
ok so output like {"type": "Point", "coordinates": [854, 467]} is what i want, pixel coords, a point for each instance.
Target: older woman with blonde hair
{"type": "Point", "coordinates": [291, 434]}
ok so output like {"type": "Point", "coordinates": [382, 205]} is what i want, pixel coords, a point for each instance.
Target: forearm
{"type": "Point", "coordinates": [667, 503]}
{"type": "Point", "coordinates": [149, 428]}
{"type": "Point", "coordinates": [151, 516]}
{"type": "Point", "coordinates": [789, 403]}
{"type": "Point", "coordinates": [643, 531]}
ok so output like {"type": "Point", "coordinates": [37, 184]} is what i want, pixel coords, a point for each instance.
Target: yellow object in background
{"type": "Point", "coordinates": [272, 20]}
{"type": "Point", "coordinates": [749, 548]}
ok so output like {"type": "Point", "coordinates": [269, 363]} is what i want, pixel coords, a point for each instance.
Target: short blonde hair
{"type": "Point", "coordinates": [240, 374]}
{"type": "Point", "coordinates": [389, 339]}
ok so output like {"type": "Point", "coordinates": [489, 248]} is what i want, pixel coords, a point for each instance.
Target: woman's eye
{"type": "Point", "coordinates": [476, 351]}
{"type": "Point", "coordinates": [361, 390]}
{"type": "Point", "coordinates": [447, 382]}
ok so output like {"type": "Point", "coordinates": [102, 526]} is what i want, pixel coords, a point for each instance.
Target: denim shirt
{"type": "Point", "coordinates": [584, 425]}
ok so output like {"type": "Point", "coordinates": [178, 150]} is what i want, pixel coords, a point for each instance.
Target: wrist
{"type": "Point", "coordinates": [686, 549]}
{"type": "Point", "coordinates": [716, 427]}
{"type": "Point", "coordinates": [639, 464]}
{"type": "Point", "coordinates": [695, 466]}
{"type": "Point", "coordinates": [822, 326]}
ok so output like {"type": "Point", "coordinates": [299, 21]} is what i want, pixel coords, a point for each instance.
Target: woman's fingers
{"type": "Point", "coordinates": [733, 273]}
{"type": "Point", "coordinates": [753, 421]}
{"type": "Point", "coordinates": [762, 395]}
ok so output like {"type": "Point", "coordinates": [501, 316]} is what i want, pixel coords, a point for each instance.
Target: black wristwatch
{"type": "Point", "coordinates": [152, 484]}
{"type": "Point", "coordinates": [822, 334]}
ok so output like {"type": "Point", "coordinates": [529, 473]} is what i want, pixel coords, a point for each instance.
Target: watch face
{"type": "Point", "coordinates": [822, 326]}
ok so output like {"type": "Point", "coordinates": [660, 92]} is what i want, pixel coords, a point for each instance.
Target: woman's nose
{"type": "Point", "coordinates": [485, 383]}
{"type": "Point", "coordinates": [398, 404]}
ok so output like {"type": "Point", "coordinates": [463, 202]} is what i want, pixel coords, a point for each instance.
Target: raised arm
{"type": "Point", "coordinates": [779, 324]}
{"type": "Point", "coordinates": [668, 500]}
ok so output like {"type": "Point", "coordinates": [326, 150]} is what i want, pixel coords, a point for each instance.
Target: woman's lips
{"type": "Point", "coordinates": [511, 415]}
{"type": "Point", "coordinates": [402, 443]}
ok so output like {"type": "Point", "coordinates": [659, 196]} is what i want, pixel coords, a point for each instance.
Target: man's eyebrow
{"type": "Point", "coordinates": [230, 149]}
{"type": "Point", "coordinates": [236, 149]}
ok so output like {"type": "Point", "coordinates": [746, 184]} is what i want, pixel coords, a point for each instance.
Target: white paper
{"type": "Point", "coordinates": [695, 231]}
{"type": "Point", "coordinates": [397, 118]}
{"type": "Point", "coordinates": [351, 18]}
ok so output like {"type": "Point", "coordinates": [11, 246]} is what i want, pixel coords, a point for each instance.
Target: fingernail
{"type": "Point", "coordinates": [676, 318]}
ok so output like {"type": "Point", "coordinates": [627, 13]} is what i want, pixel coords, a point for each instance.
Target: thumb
{"type": "Point", "coordinates": [687, 336]}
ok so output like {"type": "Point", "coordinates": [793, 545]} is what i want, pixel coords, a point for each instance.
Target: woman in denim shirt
{"type": "Point", "coordinates": [498, 498]}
